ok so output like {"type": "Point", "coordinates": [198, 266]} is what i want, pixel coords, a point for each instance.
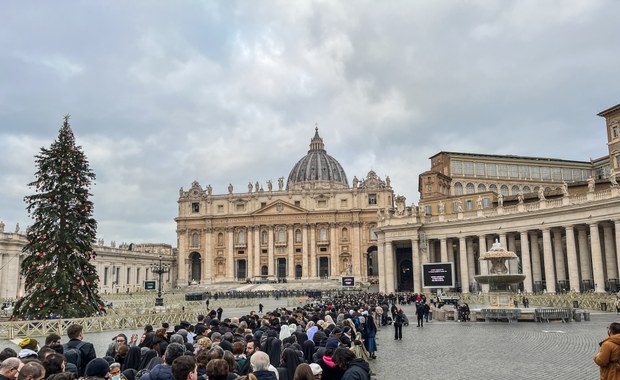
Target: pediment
{"type": "Point", "coordinates": [279, 207]}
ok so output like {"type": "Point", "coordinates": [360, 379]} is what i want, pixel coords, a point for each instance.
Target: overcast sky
{"type": "Point", "coordinates": [163, 93]}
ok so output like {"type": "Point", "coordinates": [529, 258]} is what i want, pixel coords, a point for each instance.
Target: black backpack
{"type": "Point", "coordinates": [73, 354]}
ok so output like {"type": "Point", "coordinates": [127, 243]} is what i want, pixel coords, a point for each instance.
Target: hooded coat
{"type": "Point", "coordinates": [358, 369]}
{"type": "Point", "coordinates": [607, 358]}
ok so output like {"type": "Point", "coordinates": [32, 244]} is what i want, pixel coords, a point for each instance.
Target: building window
{"type": "Point", "coordinates": [241, 252]}
{"type": "Point", "coordinates": [513, 171]}
{"type": "Point", "coordinates": [480, 169]}
{"type": "Point", "coordinates": [458, 188]}
{"type": "Point", "coordinates": [486, 202]}
{"type": "Point", "coordinates": [502, 170]}
{"type": "Point", "coordinates": [343, 203]}
{"type": "Point", "coordinates": [468, 168]}
{"type": "Point", "coordinates": [429, 187]}
{"type": "Point", "coordinates": [617, 161]}
{"type": "Point", "coordinates": [428, 210]}
{"type": "Point", "coordinates": [323, 234]}
{"type": "Point", "coordinates": [545, 172]}
{"type": "Point", "coordinates": [241, 237]}
{"type": "Point", "coordinates": [491, 170]}
{"type": "Point", "coordinates": [515, 190]}
{"type": "Point", "coordinates": [372, 199]}
{"type": "Point", "coordinates": [263, 251]}
{"type": "Point", "coordinates": [220, 208]}
{"type": "Point", "coordinates": [106, 273]}
{"type": "Point", "coordinates": [240, 207]}
{"type": "Point", "coordinates": [195, 207]}
{"type": "Point", "coordinates": [263, 204]}
{"type": "Point", "coordinates": [493, 188]}
{"type": "Point", "coordinates": [297, 236]}
{"type": "Point", "coordinates": [321, 203]}
{"type": "Point", "coordinates": [482, 188]}
{"type": "Point", "coordinates": [469, 204]}
{"type": "Point", "coordinates": [557, 174]}
{"type": "Point", "coordinates": [615, 132]}
{"type": "Point", "coordinates": [504, 190]}
{"type": "Point", "coordinates": [470, 188]}
{"type": "Point", "coordinates": [524, 172]}
{"type": "Point", "coordinates": [281, 235]}
{"type": "Point", "coordinates": [567, 174]}
{"type": "Point", "coordinates": [298, 203]}
{"type": "Point", "coordinates": [195, 240]}
{"type": "Point", "coordinates": [526, 189]}
{"type": "Point", "coordinates": [456, 167]}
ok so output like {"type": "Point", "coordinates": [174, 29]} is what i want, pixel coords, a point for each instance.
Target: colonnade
{"type": "Point", "coordinates": [572, 257]}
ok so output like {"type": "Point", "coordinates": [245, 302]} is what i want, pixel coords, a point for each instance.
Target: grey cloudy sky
{"type": "Point", "coordinates": [162, 93]}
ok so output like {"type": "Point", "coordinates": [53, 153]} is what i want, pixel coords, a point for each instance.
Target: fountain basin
{"type": "Point", "coordinates": [500, 279]}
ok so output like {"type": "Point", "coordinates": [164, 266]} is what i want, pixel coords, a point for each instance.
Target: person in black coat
{"type": "Point", "coordinates": [355, 368]}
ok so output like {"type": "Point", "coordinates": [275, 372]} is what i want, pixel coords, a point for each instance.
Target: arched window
{"type": "Point", "coordinates": [515, 190]}
{"type": "Point", "coordinates": [264, 271]}
{"type": "Point", "coordinates": [470, 188]}
{"type": "Point", "coordinates": [297, 236]}
{"type": "Point", "coordinates": [526, 189]}
{"type": "Point", "coordinates": [323, 234]}
{"type": "Point", "coordinates": [458, 188]}
{"type": "Point", "coordinates": [281, 235]}
{"type": "Point", "coordinates": [264, 237]}
{"type": "Point", "coordinates": [482, 188]}
{"type": "Point", "coordinates": [195, 239]}
{"type": "Point", "coordinates": [504, 190]}
{"type": "Point", "coordinates": [493, 188]}
{"type": "Point", "coordinates": [241, 237]}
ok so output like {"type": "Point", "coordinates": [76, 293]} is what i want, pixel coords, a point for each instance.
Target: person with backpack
{"type": "Point", "coordinates": [76, 350]}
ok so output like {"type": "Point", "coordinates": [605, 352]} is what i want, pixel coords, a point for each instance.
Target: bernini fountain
{"type": "Point", "coordinates": [502, 283]}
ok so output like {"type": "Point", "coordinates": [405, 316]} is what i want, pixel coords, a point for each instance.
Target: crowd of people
{"type": "Point", "coordinates": [332, 339]}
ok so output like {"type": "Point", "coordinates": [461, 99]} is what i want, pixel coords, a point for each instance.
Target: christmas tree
{"type": "Point", "coordinates": [59, 278]}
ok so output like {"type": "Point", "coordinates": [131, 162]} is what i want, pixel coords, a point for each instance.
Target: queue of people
{"type": "Point", "coordinates": [331, 340]}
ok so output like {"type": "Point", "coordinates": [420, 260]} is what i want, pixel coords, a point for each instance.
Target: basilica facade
{"type": "Point", "coordinates": [314, 225]}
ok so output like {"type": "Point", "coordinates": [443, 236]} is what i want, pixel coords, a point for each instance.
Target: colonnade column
{"type": "Point", "coordinates": [450, 244]}
{"type": "Point", "coordinates": [357, 256]}
{"type": "Point", "coordinates": [208, 259]}
{"type": "Point", "coordinates": [249, 239]}
{"type": "Point", "coordinates": [381, 260]}
{"type": "Point", "coordinates": [430, 246]}
{"type": "Point", "coordinates": [416, 267]}
{"type": "Point", "coordinates": [230, 268]}
{"type": "Point", "coordinates": [484, 267]}
{"type": "Point", "coordinates": [617, 230]}
{"type": "Point", "coordinates": [333, 247]}
{"type": "Point", "coordinates": [291, 255]}
{"type": "Point", "coordinates": [443, 247]}
{"type": "Point", "coordinates": [610, 252]}
{"type": "Point", "coordinates": [463, 265]}
{"type": "Point", "coordinates": [571, 258]}
{"type": "Point", "coordinates": [389, 267]}
{"type": "Point", "coordinates": [535, 250]}
{"type": "Point", "coordinates": [270, 248]}
{"type": "Point", "coordinates": [471, 265]}
{"type": "Point", "coordinates": [548, 257]}
{"type": "Point", "coordinates": [526, 265]}
{"type": "Point", "coordinates": [597, 259]}
{"type": "Point", "coordinates": [305, 270]}
{"type": "Point", "coordinates": [560, 267]}
{"type": "Point", "coordinates": [584, 254]}
{"type": "Point", "coordinates": [511, 245]}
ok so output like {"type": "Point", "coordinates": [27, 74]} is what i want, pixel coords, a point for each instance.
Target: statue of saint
{"type": "Point", "coordinates": [269, 185]}
{"type": "Point", "coordinates": [520, 196]}
{"type": "Point", "coordinates": [250, 186]}
{"type": "Point", "coordinates": [257, 186]}
{"type": "Point", "coordinates": [209, 189]}
{"type": "Point", "coordinates": [280, 183]}
{"type": "Point", "coordinates": [17, 228]}
{"type": "Point", "coordinates": [387, 181]}
{"type": "Point", "coordinates": [230, 188]}
{"type": "Point", "coordinates": [500, 200]}
{"type": "Point", "coordinates": [442, 208]}
{"type": "Point", "coordinates": [564, 188]}
{"type": "Point", "coordinates": [1, 226]}
{"type": "Point", "coordinates": [479, 202]}
{"type": "Point", "coordinates": [591, 184]}
{"type": "Point", "coordinates": [459, 205]}
{"type": "Point", "coordinates": [541, 193]}
{"type": "Point", "coordinates": [612, 180]}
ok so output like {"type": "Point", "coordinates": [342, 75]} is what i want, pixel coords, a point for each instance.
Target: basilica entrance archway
{"type": "Point", "coordinates": [195, 262]}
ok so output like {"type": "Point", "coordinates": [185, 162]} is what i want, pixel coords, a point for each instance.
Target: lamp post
{"type": "Point", "coordinates": [159, 268]}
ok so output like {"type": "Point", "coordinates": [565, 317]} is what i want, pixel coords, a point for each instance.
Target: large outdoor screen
{"type": "Point", "coordinates": [438, 275]}
{"type": "Point", "coordinates": [348, 281]}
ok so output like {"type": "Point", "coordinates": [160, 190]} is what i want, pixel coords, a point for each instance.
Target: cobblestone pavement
{"type": "Point", "coordinates": [470, 350]}
{"type": "Point", "coordinates": [497, 350]}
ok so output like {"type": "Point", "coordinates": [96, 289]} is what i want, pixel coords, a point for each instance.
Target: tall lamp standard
{"type": "Point", "coordinates": [159, 268]}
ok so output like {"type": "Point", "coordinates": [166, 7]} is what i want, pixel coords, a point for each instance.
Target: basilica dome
{"type": "Point", "coordinates": [317, 169]}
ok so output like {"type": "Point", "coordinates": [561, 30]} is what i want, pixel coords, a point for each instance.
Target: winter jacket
{"type": "Point", "coordinates": [358, 369]}
{"type": "Point", "coordinates": [159, 372]}
{"type": "Point", "coordinates": [607, 358]}
{"type": "Point", "coordinates": [265, 375]}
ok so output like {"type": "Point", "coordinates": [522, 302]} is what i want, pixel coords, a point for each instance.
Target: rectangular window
{"type": "Point", "coordinates": [242, 252]}
{"type": "Point", "coordinates": [195, 207]}
{"type": "Point", "coordinates": [567, 174]}
{"type": "Point", "coordinates": [220, 208]}
{"type": "Point", "coordinates": [372, 199]}
{"type": "Point", "coordinates": [263, 251]}
{"type": "Point", "coordinates": [585, 174]}
{"type": "Point", "coordinates": [577, 175]}
{"type": "Point", "coordinates": [106, 273]}
{"type": "Point", "coordinates": [298, 203]}
{"type": "Point", "coordinates": [468, 168]}
{"type": "Point", "coordinates": [480, 169]}
{"type": "Point", "coordinates": [617, 159]}
{"type": "Point", "coordinates": [535, 172]}
{"type": "Point", "coordinates": [524, 172]}
{"type": "Point", "coordinates": [263, 204]}
{"type": "Point", "coordinates": [456, 167]}
{"type": "Point", "coordinates": [491, 170]}
{"type": "Point", "coordinates": [469, 204]}
{"type": "Point", "coordinates": [615, 132]}
{"type": "Point", "coordinates": [502, 170]}
{"type": "Point", "coordinates": [429, 187]}
{"type": "Point", "coordinates": [556, 173]}
{"type": "Point", "coordinates": [343, 203]}
{"type": "Point", "coordinates": [545, 172]}
{"type": "Point", "coordinates": [428, 210]}
{"type": "Point", "coordinates": [486, 202]}
{"type": "Point", "coordinates": [321, 203]}
{"type": "Point", "coordinates": [323, 249]}
{"type": "Point", "coordinates": [455, 206]}
{"type": "Point", "coordinates": [513, 171]}
{"type": "Point", "coordinates": [240, 207]}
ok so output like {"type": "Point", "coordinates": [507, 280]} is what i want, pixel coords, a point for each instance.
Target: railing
{"type": "Point", "coordinates": [591, 301]}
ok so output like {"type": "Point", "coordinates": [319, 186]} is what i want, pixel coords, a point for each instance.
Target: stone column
{"type": "Point", "coordinates": [535, 250]}
{"type": "Point", "coordinates": [443, 246]}
{"type": "Point", "coordinates": [416, 267]}
{"type": "Point", "coordinates": [548, 257]}
{"type": "Point", "coordinates": [333, 246]}
{"type": "Point", "coordinates": [558, 249]}
{"type": "Point", "coordinates": [584, 254]}
{"type": "Point", "coordinates": [463, 265]}
{"type": "Point", "coordinates": [484, 267]}
{"type": "Point", "coordinates": [249, 239]}
{"type": "Point", "coordinates": [257, 251]}
{"type": "Point", "coordinates": [597, 259]}
{"type": "Point", "coordinates": [471, 264]}
{"type": "Point", "coordinates": [389, 266]}
{"type": "Point", "coordinates": [357, 256]}
{"type": "Point", "coordinates": [610, 252]}
{"type": "Point", "coordinates": [571, 258]}
{"type": "Point", "coordinates": [270, 248]}
{"type": "Point", "coordinates": [312, 242]}
{"type": "Point", "coordinates": [617, 231]}
{"type": "Point", "coordinates": [291, 253]}
{"type": "Point", "coordinates": [526, 264]}
{"type": "Point", "coordinates": [230, 260]}
{"type": "Point", "coordinates": [431, 250]}
{"type": "Point", "coordinates": [451, 247]}
{"type": "Point", "coordinates": [182, 252]}
{"type": "Point", "coordinates": [381, 261]}
{"type": "Point", "coordinates": [3, 291]}
{"type": "Point", "coordinates": [511, 241]}
{"type": "Point", "coordinates": [304, 251]}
